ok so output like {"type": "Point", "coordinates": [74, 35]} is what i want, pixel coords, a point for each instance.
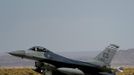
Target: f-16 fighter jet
{"type": "Point", "coordinates": [50, 63]}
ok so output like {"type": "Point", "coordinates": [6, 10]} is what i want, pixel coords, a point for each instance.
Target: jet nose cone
{"type": "Point", "coordinates": [17, 53]}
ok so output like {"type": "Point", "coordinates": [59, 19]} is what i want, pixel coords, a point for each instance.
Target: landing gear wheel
{"type": "Point", "coordinates": [47, 72]}
{"type": "Point", "coordinates": [37, 70]}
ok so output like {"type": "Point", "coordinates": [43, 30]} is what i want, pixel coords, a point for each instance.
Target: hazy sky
{"type": "Point", "coordinates": [66, 25]}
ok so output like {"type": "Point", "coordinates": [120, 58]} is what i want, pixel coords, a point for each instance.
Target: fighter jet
{"type": "Point", "coordinates": [50, 63]}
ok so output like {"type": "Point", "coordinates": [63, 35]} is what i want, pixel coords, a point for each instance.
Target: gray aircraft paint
{"type": "Point", "coordinates": [107, 55]}
{"type": "Point", "coordinates": [100, 63]}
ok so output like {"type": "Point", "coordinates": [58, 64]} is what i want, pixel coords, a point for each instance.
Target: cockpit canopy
{"type": "Point", "coordinates": [38, 48]}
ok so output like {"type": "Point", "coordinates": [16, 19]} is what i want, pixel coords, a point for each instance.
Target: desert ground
{"type": "Point", "coordinates": [17, 71]}
{"type": "Point", "coordinates": [29, 71]}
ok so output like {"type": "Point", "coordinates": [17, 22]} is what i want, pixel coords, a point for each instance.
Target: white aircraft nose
{"type": "Point", "coordinates": [17, 53]}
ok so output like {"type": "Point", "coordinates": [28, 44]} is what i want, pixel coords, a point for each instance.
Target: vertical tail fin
{"type": "Point", "coordinates": [107, 55]}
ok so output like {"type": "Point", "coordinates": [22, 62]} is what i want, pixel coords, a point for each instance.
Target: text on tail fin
{"type": "Point", "coordinates": [107, 55]}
